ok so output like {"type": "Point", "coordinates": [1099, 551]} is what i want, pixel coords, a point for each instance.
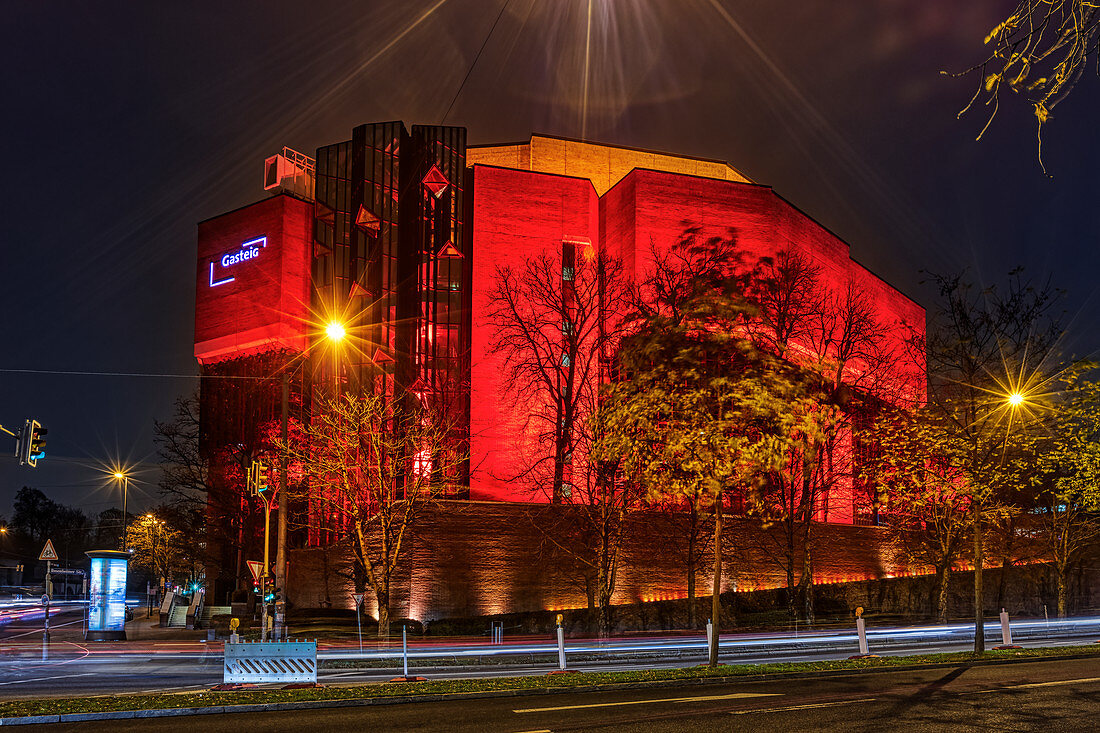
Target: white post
{"type": "Point", "coordinates": [862, 631]}
{"type": "Point", "coordinates": [1006, 631]}
{"type": "Point", "coordinates": [404, 652]}
{"type": "Point", "coordinates": [359, 624]}
{"type": "Point", "coordinates": [710, 632]}
{"type": "Point", "coordinates": [561, 648]}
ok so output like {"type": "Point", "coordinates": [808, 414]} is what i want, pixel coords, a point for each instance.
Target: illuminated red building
{"type": "Point", "coordinates": [398, 233]}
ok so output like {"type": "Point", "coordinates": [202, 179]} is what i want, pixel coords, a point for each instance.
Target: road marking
{"type": "Point", "coordinates": [706, 698]}
{"type": "Point", "coordinates": [802, 707]}
{"type": "Point", "coordinates": [43, 679]}
{"type": "Point", "coordinates": [1032, 684]}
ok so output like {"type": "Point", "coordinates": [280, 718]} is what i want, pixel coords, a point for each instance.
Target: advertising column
{"type": "Point", "coordinates": [107, 595]}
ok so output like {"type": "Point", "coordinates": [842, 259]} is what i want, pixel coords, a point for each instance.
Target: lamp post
{"type": "Point", "coordinates": [125, 479]}
{"type": "Point", "coordinates": [334, 332]}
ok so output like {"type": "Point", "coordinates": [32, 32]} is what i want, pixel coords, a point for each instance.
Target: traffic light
{"type": "Point", "coordinates": [38, 442]}
{"type": "Point", "coordinates": [31, 443]}
{"type": "Point", "coordinates": [257, 478]}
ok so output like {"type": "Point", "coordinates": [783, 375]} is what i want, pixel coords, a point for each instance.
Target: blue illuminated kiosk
{"type": "Point", "coordinates": [107, 595]}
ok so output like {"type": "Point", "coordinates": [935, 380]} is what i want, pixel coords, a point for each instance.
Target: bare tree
{"type": "Point", "coordinates": [556, 321]}
{"type": "Point", "coordinates": [374, 463]}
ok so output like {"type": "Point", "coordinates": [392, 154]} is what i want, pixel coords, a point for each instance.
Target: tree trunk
{"type": "Point", "coordinates": [944, 578]}
{"type": "Point", "coordinates": [605, 613]}
{"type": "Point", "coordinates": [715, 601]}
{"type": "Point", "coordinates": [383, 599]}
{"type": "Point", "coordinates": [691, 566]}
{"type": "Point", "coordinates": [1060, 581]}
{"type": "Point", "coordinates": [807, 584]}
{"type": "Point", "coordinates": [979, 596]}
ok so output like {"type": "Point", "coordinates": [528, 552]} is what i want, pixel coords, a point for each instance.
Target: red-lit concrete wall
{"type": "Point", "coordinates": [266, 305]}
{"type": "Point", "coordinates": [516, 215]}
{"type": "Point", "coordinates": [648, 211]}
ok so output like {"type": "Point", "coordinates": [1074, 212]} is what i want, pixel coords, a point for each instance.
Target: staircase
{"type": "Point", "coordinates": [178, 618]}
{"type": "Point", "coordinates": [209, 612]}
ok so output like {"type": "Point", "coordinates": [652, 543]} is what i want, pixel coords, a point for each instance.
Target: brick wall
{"type": "Point", "coordinates": [475, 558]}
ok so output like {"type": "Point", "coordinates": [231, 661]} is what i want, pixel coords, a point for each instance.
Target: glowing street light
{"type": "Point", "coordinates": [1015, 399]}
{"type": "Point", "coordinates": [124, 478]}
{"type": "Point", "coordinates": [335, 331]}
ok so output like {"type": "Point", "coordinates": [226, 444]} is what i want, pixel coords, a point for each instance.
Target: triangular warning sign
{"type": "Point", "coordinates": [448, 250]}
{"type": "Point", "coordinates": [436, 182]}
{"type": "Point", "coordinates": [381, 357]}
{"type": "Point", "coordinates": [48, 553]}
{"type": "Point", "coordinates": [255, 567]}
{"type": "Point", "coordinates": [367, 221]}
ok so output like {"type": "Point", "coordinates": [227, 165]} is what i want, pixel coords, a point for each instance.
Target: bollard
{"type": "Point", "coordinates": [861, 629]}
{"type": "Point", "coordinates": [1006, 633]}
{"type": "Point", "coordinates": [710, 634]}
{"type": "Point", "coordinates": [561, 648]}
{"type": "Point", "coordinates": [404, 652]}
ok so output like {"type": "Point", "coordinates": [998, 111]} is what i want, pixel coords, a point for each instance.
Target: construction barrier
{"type": "Point", "coordinates": [258, 662]}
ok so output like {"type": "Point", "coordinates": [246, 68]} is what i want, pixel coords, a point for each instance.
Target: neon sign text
{"type": "Point", "coordinates": [250, 250]}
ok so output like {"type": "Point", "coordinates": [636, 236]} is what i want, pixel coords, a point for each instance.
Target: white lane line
{"type": "Point", "coordinates": [706, 698]}
{"type": "Point", "coordinates": [43, 679]}
{"type": "Point", "coordinates": [802, 707]}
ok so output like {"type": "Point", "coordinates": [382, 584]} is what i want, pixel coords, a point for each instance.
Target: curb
{"type": "Point", "coordinates": [441, 696]}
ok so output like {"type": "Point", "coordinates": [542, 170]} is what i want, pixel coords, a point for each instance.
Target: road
{"type": "Point", "coordinates": [155, 664]}
{"type": "Point", "coordinates": [1048, 696]}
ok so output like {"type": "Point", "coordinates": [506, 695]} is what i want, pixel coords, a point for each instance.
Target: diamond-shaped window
{"type": "Point", "coordinates": [436, 182]}
{"type": "Point", "coordinates": [448, 251]}
{"type": "Point", "coordinates": [324, 213]}
{"type": "Point", "coordinates": [367, 221]}
{"type": "Point", "coordinates": [381, 357]}
{"type": "Point", "coordinates": [358, 290]}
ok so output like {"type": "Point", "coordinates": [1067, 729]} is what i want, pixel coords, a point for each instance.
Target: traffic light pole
{"type": "Point", "coordinates": [266, 575]}
{"type": "Point", "coordinates": [284, 509]}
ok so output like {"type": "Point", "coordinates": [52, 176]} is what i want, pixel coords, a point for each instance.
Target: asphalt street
{"type": "Point", "coordinates": [1056, 695]}
{"type": "Point", "coordinates": [173, 665]}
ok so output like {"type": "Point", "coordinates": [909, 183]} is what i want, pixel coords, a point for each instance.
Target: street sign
{"type": "Point", "coordinates": [255, 567]}
{"type": "Point", "coordinates": [48, 553]}
{"type": "Point", "coordinates": [358, 599]}
{"type": "Point", "coordinates": [45, 601]}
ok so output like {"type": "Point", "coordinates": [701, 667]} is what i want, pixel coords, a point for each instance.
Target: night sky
{"type": "Point", "coordinates": [127, 123]}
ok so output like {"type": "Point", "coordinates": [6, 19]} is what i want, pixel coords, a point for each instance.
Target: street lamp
{"type": "Point", "coordinates": [125, 479]}
{"type": "Point", "coordinates": [335, 331]}
{"type": "Point", "coordinates": [1015, 399]}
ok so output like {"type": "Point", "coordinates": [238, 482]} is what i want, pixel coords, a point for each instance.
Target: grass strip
{"type": "Point", "coordinates": [63, 706]}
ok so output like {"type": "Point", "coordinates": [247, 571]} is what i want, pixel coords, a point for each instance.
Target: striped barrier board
{"type": "Point", "coordinates": [273, 661]}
